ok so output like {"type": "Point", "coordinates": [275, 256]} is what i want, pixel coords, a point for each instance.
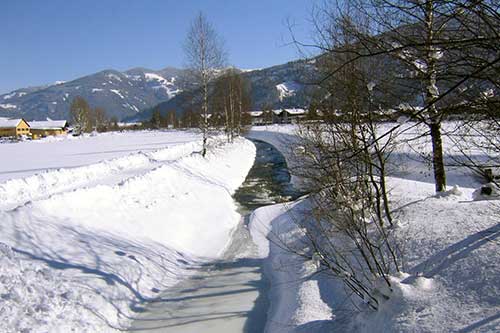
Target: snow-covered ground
{"type": "Point", "coordinates": [92, 228]}
{"type": "Point", "coordinates": [82, 248]}
{"type": "Point", "coordinates": [451, 256]}
{"type": "Point", "coordinates": [37, 169]}
{"type": "Point", "coordinates": [27, 158]}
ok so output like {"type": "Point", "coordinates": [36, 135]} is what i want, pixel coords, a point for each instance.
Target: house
{"type": "Point", "coordinates": [280, 116]}
{"type": "Point", "coordinates": [14, 127]}
{"type": "Point", "coordinates": [285, 116]}
{"type": "Point", "coordinates": [47, 128]}
{"type": "Point", "coordinates": [257, 117]}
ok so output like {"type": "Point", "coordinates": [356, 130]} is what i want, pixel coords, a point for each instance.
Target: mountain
{"type": "Point", "coordinates": [132, 94]}
{"type": "Point", "coordinates": [282, 86]}
{"type": "Point", "coordinates": [121, 94]}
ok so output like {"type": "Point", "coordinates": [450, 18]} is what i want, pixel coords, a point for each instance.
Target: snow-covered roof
{"type": "Point", "coordinates": [296, 111]}
{"type": "Point", "coordinates": [9, 123]}
{"type": "Point", "coordinates": [290, 111]}
{"type": "Point", "coordinates": [256, 113]}
{"type": "Point", "coordinates": [129, 124]}
{"type": "Point", "coordinates": [48, 124]}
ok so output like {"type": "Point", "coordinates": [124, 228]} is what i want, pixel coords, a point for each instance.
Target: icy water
{"type": "Point", "coordinates": [268, 182]}
{"type": "Point", "coordinates": [228, 295]}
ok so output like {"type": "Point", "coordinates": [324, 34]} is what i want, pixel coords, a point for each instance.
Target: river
{"type": "Point", "coordinates": [228, 295]}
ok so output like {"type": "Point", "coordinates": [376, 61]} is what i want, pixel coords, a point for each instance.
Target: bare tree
{"type": "Point", "coordinates": [205, 55]}
{"type": "Point", "coordinates": [79, 112]}
{"type": "Point", "coordinates": [351, 232]}
{"type": "Point", "coordinates": [443, 51]}
{"type": "Point", "coordinates": [156, 118]}
{"type": "Point", "coordinates": [231, 100]}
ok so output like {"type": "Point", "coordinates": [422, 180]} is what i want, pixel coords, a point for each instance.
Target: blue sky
{"type": "Point", "coordinates": [50, 40]}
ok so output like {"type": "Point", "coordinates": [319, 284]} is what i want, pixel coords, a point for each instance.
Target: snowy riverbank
{"type": "Point", "coordinates": [86, 257]}
{"type": "Point", "coordinates": [451, 272]}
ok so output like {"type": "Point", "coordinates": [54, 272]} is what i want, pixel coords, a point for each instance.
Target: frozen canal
{"type": "Point", "coordinates": [228, 295]}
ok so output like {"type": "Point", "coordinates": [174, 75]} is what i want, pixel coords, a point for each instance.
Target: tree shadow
{"type": "Point", "coordinates": [200, 291]}
{"type": "Point", "coordinates": [479, 324]}
{"type": "Point", "coordinates": [453, 253]}
{"type": "Point", "coordinates": [132, 271]}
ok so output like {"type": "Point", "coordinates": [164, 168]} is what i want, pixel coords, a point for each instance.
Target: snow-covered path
{"type": "Point", "coordinates": [224, 296]}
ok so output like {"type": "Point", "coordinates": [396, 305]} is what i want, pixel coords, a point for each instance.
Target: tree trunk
{"type": "Point", "coordinates": [231, 109]}
{"type": "Point", "coordinates": [431, 96]}
{"type": "Point", "coordinates": [437, 157]}
{"type": "Point", "coordinates": [205, 115]}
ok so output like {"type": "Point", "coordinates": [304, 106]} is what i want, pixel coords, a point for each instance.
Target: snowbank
{"type": "Point", "coordinates": [87, 259]}
{"type": "Point", "coordinates": [15, 192]}
{"type": "Point", "coordinates": [283, 138]}
{"type": "Point", "coordinates": [450, 245]}
{"type": "Point", "coordinates": [451, 264]}
{"type": "Point", "coordinates": [27, 158]}
{"type": "Point", "coordinates": [295, 298]}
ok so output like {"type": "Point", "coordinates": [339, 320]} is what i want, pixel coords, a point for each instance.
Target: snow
{"type": "Point", "coordinates": [167, 85]}
{"type": "Point", "coordinates": [132, 107]}
{"type": "Point", "coordinates": [92, 227]}
{"type": "Point", "coordinates": [451, 272]}
{"type": "Point", "coordinates": [9, 96]}
{"type": "Point", "coordinates": [256, 113]}
{"type": "Point", "coordinates": [94, 90]}
{"type": "Point", "coordinates": [48, 124]}
{"type": "Point", "coordinates": [117, 92]}
{"type": "Point", "coordinates": [9, 123]}
{"type": "Point", "coordinates": [295, 299]}
{"type": "Point", "coordinates": [18, 191]}
{"type": "Point", "coordinates": [370, 85]}
{"type": "Point", "coordinates": [114, 77]}
{"type": "Point", "coordinates": [287, 89]}
{"type": "Point", "coordinates": [295, 111]}
{"type": "Point", "coordinates": [8, 106]}
{"type": "Point", "coordinates": [155, 77]}
{"type": "Point", "coordinates": [83, 253]}
{"type": "Point", "coordinates": [52, 153]}
{"type": "Point", "coordinates": [490, 191]}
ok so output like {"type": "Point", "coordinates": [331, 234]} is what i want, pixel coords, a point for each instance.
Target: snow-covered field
{"type": "Point", "coordinates": [92, 228]}
{"type": "Point", "coordinates": [36, 169]}
{"type": "Point", "coordinates": [118, 218]}
{"type": "Point", "coordinates": [451, 272]}
{"type": "Point", "coordinates": [27, 158]}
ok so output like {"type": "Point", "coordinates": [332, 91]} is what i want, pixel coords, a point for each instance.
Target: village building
{"type": "Point", "coordinates": [40, 129]}
{"type": "Point", "coordinates": [257, 117]}
{"type": "Point", "coordinates": [279, 116]}
{"type": "Point", "coordinates": [14, 128]}
{"type": "Point", "coordinates": [287, 116]}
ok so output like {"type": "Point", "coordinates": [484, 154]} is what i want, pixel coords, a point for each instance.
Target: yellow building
{"type": "Point", "coordinates": [14, 127]}
{"type": "Point", "coordinates": [46, 128]}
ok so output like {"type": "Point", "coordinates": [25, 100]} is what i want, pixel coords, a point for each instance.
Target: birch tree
{"type": "Point", "coordinates": [205, 54]}
{"type": "Point", "coordinates": [231, 99]}
{"type": "Point", "coordinates": [79, 112]}
{"type": "Point", "coordinates": [443, 51]}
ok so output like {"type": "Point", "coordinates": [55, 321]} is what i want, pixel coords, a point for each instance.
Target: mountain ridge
{"type": "Point", "coordinates": [133, 93]}
{"type": "Point", "coordinates": [120, 93]}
